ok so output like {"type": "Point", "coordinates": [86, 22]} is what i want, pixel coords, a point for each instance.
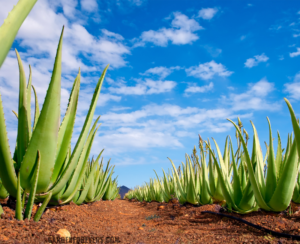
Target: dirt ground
{"type": "Point", "coordinates": [123, 221]}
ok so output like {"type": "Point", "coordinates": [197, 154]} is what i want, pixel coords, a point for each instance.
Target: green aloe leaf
{"type": "Point", "coordinates": [256, 187]}
{"type": "Point", "coordinates": [23, 129]}
{"type": "Point", "coordinates": [271, 173]}
{"type": "Point", "coordinates": [37, 109]}
{"type": "Point", "coordinates": [30, 202]}
{"type": "Point", "coordinates": [41, 209]}
{"type": "Point", "coordinates": [83, 158]}
{"type": "Point", "coordinates": [12, 24]}
{"type": "Point", "coordinates": [285, 188]}
{"type": "Point", "coordinates": [7, 173]}
{"type": "Point", "coordinates": [66, 129]}
{"type": "Point", "coordinates": [18, 211]}
{"type": "Point", "coordinates": [44, 136]}
{"type": "Point", "coordinates": [28, 105]}
{"type": "Point", "coordinates": [82, 138]}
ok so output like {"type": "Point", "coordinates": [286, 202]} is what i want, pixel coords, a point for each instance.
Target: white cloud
{"type": "Point", "coordinates": [253, 99]}
{"type": "Point", "coordinates": [146, 87]}
{"type": "Point", "coordinates": [89, 5]}
{"type": "Point", "coordinates": [181, 32]}
{"type": "Point", "coordinates": [161, 71]}
{"type": "Point", "coordinates": [208, 70]}
{"type": "Point", "coordinates": [295, 54]}
{"type": "Point", "coordinates": [296, 35]}
{"type": "Point", "coordinates": [293, 88]}
{"type": "Point", "coordinates": [250, 62]}
{"type": "Point", "coordinates": [207, 13]}
{"type": "Point", "coordinates": [214, 52]}
{"type": "Point", "coordinates": [199, 89]}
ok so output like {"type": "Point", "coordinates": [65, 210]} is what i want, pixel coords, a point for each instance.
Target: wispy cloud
{"type": "Point", "coordinates": [255, 98]}
{"type": "Point", "coordinates": [146, 87]}
{"type": "Point", "coordinates": [89, 5]}
{"type": "Point", "coordinates": [193, 88]}
{"type": "Point", "coordinates": [295, 54]}
{"type": "Point", "coordinates": [293, 88]}
{"type": "Point", "coordinates": [251, 62]}
{"type": "Point", "coordinates": [208, 70]}
{"type": "Point", "coordinates": [207, 13]}
{"type": "Point", "coordinates": [182, 32]}
{"type": "Point", "coordinates": [161, 71]}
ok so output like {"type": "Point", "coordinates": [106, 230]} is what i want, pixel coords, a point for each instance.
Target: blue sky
{"type": "Point", "coordinates": [177, 69]}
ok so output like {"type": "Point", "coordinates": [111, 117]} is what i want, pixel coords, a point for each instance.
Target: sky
{"type": "Point", "coordinates": [177, 69]}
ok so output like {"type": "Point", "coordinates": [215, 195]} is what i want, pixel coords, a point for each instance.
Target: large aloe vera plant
{"type": "Point", "coordinates": [48, 137]}
{"type": "Point", "coordinates": [42, 167]}
{"type": "Point", "coordinates": [274, 192]}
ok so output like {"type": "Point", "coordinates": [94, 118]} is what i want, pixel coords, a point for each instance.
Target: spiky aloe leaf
{"type": "Point", "coordinates": [7, 172]}
{"type": "Point", "coordinates": [23, 130]}
{"type": "Point", "coordinates": [87, 184]}
{"type": "Point", "coordinates": [66, 129]}
{"type": "Point", "coordinates": [278, 160]}
{"type": "Point", "coordinates": [236, 185]}
{"type": "Point", "coordinates": [271, 180]}
{"type": "Point", "coordinates": [285, 188]}
{"type": "Point", "coordinates": [18, 211]}
{"type": "Point", "coordinates": [205, 197]}
{"type": "Point", "coordinates": [91, 192]}
{"type": "Point", "coordinates": [30, 202]}
{"type": "Point", "coordinates": [12, 24]}
{"type": "Point", "coordinates": [37, 109]}
{"type": "Point", "coordinates": [44, 136]}
{"type": "Point", "coordinates": [82, 138]}
{"type": "Point", "coordinates": [68, 197]}
{"type": "Point", "coordinates": [28, 105]}
{"type": "Point", "coordinates": [83, 158]}
{"type": "Point", "coordinates": [104, 184]}
{"type": "Point", "coordinates": [254, 182]}
{"type": "Point", "coordinates": [3, 192]}
{"type": "Point", "coordinates": [41, 209]}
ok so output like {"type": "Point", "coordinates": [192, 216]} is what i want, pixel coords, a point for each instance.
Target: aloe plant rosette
{"type": "Point", "coordinates": [52, 141]}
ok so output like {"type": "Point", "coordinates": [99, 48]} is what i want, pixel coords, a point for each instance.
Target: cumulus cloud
{"type": "Point", "coordinates": [208, 70]}
{"type": "Point", "coordinates": [251, 62]}
{"type": "Point", "coordinates": [182, 32]}
{"type": "Point", "coordinates": [207, 13]}
{"type": "Point", "coordinates": [293, 88]}
{"type": "Point", "coordinates": [160, 71]}
{"type": "Point", "coordinates": [146, 87]}
{"type": "Point", "coordinates": [89, 5]}
{"type": "Point", "coordinates": [199, 89]}
{"type": "Point", "coordinates": [295, 54]}
{"type": "Point", "coordinates": [255, 98]}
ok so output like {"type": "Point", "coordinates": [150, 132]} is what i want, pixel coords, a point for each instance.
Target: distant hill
{"type": "Point", "coordinates": [123, 191]}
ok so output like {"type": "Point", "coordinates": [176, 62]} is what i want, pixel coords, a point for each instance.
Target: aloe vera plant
{"type": "Point", "coordinates": [275, 192]}
{"type": "Point", "coordinates": [60, 171]}
{"type": "Point", "coordinates": [47, 137]}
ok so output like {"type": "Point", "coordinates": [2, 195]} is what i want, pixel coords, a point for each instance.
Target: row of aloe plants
{"type": "Point", "coordinates": [244, 181]}
{"type": "Point", "coordinates": [43, 169]}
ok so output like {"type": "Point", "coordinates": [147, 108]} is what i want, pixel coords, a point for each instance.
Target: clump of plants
{"type": "Point", "coordinates": [43, 168]}
{"type": "Point", "coordinates": [245, 181]}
